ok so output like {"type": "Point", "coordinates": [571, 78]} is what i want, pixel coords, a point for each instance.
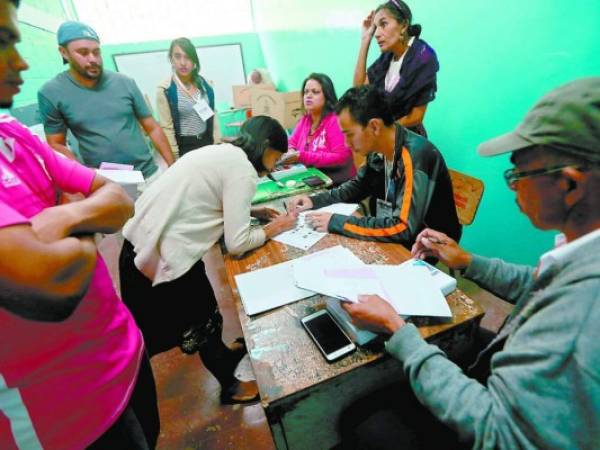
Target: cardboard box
{"type": "Point", "coordinates": [285, 107]}
{"type": "Point", "coordinates": [242, 94]}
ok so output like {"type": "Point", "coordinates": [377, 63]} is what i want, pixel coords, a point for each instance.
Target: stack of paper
{"type": "Point", "coordinates": [127, 179]}
{"type": "Point", "coordinates": [445, 283]}
{"type": "Point", "coordinates": [303, 236]}
{"type": "Point", "coordinates": [268, 288]}
{"type": "Point", "coordinates": [338, 273]}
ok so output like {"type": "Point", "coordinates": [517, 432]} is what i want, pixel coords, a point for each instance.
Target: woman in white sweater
{"type": "Point", "coordinates": [202, 197]}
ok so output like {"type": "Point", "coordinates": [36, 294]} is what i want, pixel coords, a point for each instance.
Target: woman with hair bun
{"type": "Point", "coordinates": [406, 70]}
{"type": "Point", "coordinates": [204, 196]}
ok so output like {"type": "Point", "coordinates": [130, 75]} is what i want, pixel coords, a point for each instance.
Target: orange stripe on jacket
{"type": "Point", "coordinates": [404, 211]}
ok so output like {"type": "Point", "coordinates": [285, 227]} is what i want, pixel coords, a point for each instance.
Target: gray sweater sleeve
{"type": "Point", "coordinates": [507, 281]}
{"type": "Point", "coordinates": [543, 391]}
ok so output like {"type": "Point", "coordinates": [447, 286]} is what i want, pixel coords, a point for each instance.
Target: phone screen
{"type": "Point", "coordinates": [313, 181]}
{"type": "Point", "coordinates": [327, 333]}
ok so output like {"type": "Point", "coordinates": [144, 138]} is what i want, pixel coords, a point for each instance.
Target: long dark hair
{"type": "Point", "coordinates": [328, 91]}
{"type": "Point", "coordinates": [365, 103]}
{"type": "Point", "coordinates": [401, 12]}
{"type": "Point", "coordinates": [190, 51]}
{"type": "Point", "coordinates": [259, 133]}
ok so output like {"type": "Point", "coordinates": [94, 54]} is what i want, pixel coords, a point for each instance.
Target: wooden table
{"type": "Point", "coordinates": [301, 393]}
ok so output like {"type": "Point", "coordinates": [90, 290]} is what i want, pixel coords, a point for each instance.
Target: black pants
{"type": "Point", "coordinates": [138, 426]}
{"type": "Point", "coordinates": [188, 143]}
{"type": "Point", "coordinates": [393, 418]}
{"type": "Point", "coordinates": [166, 312]}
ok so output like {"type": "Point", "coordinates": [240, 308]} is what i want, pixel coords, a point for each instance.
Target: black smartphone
{"type": "Point", "coordinates": [327, 335]}
{"type": "Point", "coordinates": [313, 181]}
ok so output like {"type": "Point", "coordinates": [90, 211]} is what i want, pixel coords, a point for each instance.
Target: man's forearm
{"type": "Point", "coordinates": [105, 211]}
{"type": "Point", "coordinates": [48, 284]}
{"type": "Point", "coordinates": [162, 145]}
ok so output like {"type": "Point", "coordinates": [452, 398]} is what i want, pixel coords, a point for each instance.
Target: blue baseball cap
{"type": "Point", "coordinates": [73, 31]}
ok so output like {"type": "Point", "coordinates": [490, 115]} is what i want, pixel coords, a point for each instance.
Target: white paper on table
{"type": "Point", "coordinates": [268, 288]}
{"type": "Point", "coordinates": [303, 236]}
{"type": "Point", "coordinates": [312, 272]}
{"type": "Point", "coordinates": [345, 209]}
{"type": "Point", "coordinates": [412, 291]}
{"type": "Point", "coordinates": [122, 177]}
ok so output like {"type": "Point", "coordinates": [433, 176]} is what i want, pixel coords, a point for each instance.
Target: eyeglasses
{"type": "Point", "coordinates": [511, 176]}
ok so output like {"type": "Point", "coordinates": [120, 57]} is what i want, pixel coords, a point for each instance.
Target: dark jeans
{"type": "Point", "coordinates": [166, 312]}
{"type": "Point", "coordinates": [188, 143]}
{"type": "Point", "coordinates": [393, 418]}
{"type": "Point", "coordinates": [138, 426]}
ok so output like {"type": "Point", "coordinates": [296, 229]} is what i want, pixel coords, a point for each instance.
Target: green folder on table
{"type": "Point", "coordinates": [268, 190]}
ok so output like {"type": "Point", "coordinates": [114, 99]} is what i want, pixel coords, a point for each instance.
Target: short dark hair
{"type": "Point", "coordinates": [188, 48]}
{"type": "Point", "coordinates": [328, 91]}
{"type": "Point", "coordinates": [259, 133]}
{"type": "Point", "coordinates": [365, 103]}
{"type": "Point", "coordinates": [402, 13]}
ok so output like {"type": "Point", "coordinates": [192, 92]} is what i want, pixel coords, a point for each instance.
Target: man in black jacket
{"type": "Point", "coordinates": [405, 176]}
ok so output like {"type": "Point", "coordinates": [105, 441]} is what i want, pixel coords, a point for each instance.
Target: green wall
{"type": "Point", "coordinates": [497, 58]}
{"type": "Point", "coordinates": [39, 48]}
{"type": "Point", "coordinates": [251, 54]}
{"type": "Point", "coordinates": [251, 49]}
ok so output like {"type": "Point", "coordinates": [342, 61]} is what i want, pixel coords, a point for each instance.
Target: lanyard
{"type": "Point", "coordinates": [182, 86]}
{"type": "Point", "coordinates": [388, 172]}
{"type": "Point", "coordinates": [391, 173]}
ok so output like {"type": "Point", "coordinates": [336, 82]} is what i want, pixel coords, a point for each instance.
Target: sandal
{"type": "Point", "coordinates": [240, 392]}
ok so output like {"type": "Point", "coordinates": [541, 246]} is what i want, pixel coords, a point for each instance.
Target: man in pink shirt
{"type": "Point", "coordinates": [73, 372]}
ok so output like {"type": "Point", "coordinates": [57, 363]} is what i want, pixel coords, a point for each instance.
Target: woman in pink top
{"type": "Point", "coordinates": [317, 139]}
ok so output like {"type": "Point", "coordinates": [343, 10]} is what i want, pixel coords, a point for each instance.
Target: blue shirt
{"type": "Point", "coordinates": [104, 119]}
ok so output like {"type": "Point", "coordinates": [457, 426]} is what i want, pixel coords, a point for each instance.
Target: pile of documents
{"type": "Point", "coordinates": [413, 288]}
{"type": "Point", "coordinates": [337, 272]}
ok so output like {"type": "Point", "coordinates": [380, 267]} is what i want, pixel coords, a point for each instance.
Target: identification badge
{"type": "Point", "coordinates": [384, 209]}
{"type": "Point", "coordinates": [203, 109]}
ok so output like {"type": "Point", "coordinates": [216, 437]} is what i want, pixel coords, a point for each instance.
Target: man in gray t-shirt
{"type": "Point", "coordinates": [104, 110]}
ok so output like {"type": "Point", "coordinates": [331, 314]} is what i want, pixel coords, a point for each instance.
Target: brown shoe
{"type": "Point", "coordinates": [240, 392]}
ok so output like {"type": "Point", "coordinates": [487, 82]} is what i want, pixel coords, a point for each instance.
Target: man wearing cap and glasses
{"type": "Point", "coordinates": [102, 109]}
{"type": "Point", "coordinates": [537, 383]}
